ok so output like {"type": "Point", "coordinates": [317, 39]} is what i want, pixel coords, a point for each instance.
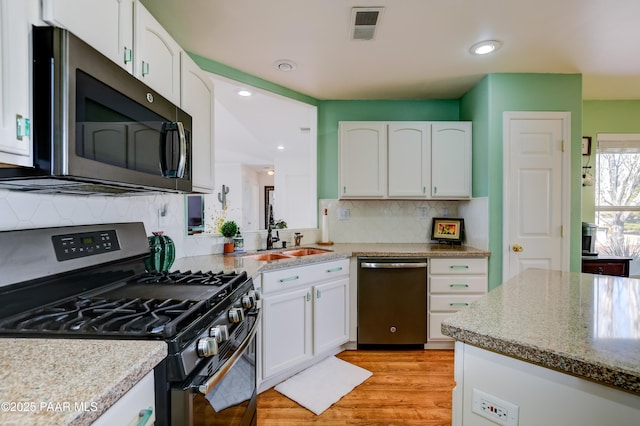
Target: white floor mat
{"type": "Point", "coordinates": [323, 384]}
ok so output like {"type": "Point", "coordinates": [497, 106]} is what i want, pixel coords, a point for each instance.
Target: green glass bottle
{"type": "Point", "coordinates": [162, 253]}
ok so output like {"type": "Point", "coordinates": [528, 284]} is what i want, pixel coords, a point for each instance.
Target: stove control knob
{"type": "Point", "coordinates": [254, 293]}
{"type": "Point", "coordinates": [207, 347]}
{"type": "Point", "coordinates": [220, 333]}
{"type": "Point", "coordinates": [248, 301]}
{"type": "Point", "coordinates": [236, 315]}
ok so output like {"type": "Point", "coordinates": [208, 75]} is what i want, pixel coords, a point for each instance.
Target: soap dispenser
{"type": "Point", "coordinates": [238, 242]}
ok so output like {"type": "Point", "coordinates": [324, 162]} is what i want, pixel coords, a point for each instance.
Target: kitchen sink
{"type": "Point", "coordinates": [304, 252]}
{"type": "Point", "coordinates": [270, 256]}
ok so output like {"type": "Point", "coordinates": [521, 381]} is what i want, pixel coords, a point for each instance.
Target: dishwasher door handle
{"type": "Point", "coordinates": [398, 265]}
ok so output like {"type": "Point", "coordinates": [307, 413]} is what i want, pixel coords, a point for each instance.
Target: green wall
{"type": "Point", "coordinates": [331, 112]}
{"type": "Point", "coordinates": [605, 117]}
{"type": "Point", "coordinates": [484, 105]}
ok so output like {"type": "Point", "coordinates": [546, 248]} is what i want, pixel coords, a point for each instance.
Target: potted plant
{"type": "Point", "coordinates": [228, 230]}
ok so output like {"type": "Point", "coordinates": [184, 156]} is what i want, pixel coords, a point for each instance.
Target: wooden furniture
{"type": "Point", "coordinates": [606, 265]}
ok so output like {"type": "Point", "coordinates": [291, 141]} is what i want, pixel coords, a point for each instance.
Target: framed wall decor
{"type": "Point", "coordinates": [447, 229]}
{"type": "Point", "coordinates": [586, 145]}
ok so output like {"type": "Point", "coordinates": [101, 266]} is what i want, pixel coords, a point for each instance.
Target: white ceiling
{"type": "Point", "coordinates": [421, 46]}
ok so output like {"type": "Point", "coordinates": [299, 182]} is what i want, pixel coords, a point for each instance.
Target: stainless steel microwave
{"type": "Point", "coordinates": [98, 129]}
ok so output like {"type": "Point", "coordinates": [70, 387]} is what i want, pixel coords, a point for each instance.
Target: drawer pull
{"type": "Point", "coordinates": [291, 278]}
{"type": "Point", "coordinates": [458, 304]}
{"type": "Point", "coordinates": [459, 285]}
{"type": "Point", "coordinates": [338, 269]}
{"type": "Point", "coordinates": [459, 267]}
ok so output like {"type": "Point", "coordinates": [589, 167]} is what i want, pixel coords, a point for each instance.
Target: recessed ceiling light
{"type": "Point", "coordinates": [244, 93]}
{"type": "Point", "coordinates": [485, 47]}
{"type": "Point", "coordinates": [280, 147]}
{"type": "Point", "coordinates": [284, 65]}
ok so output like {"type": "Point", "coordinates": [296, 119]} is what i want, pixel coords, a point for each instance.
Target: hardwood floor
{"type": "Point", "coordinates": [408, 387]}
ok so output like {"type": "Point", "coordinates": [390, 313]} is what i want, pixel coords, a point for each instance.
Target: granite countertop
{"type": "Point", "coordinates": [47, 381]}
{"type": "Point", "coordinates": [245, 262]}
{"type": "Point", "coordinates": [581, 324]}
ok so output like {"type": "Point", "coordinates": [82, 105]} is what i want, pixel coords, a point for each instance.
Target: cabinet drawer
{"type": "Point", "coordinates": [288, 278]}
{"type": "Point", "coordinates": [454, 284]}
{"type": "Point", "coordinates": [435, 322]}
{"type": "Point", "coordinates": [606, 268]}
{"type": "Point", "coordinates": [461, 265]}
{"type": "Point", "coordinates": [451, 303]}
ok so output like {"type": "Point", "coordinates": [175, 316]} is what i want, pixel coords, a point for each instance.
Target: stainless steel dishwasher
{"type": "Point", "coordinates": [392, 301]}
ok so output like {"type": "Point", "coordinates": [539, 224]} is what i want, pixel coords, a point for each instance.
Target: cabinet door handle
{"type": "Point", "coordinates": [459, 267]}
{"type": "Point", "coordinates": [318, 294]}
{"type": "Point", "coordinates": [287, 279]}
{"type": "Point", "coordinates": [338, 269]}
{"type": "Point", "coordinates": [144, 416]}
{"type": "Point", "coordinates": [458, 304]}
{"type": "Point", "coordinates": [128, 55]}
{"type": "Point", "coordinates": [145, 68]}
{"type": "Point", "coordinates": [459, 285]}
{"type": "Point", "coordinates": [23, 127]}
{"type": "Point", "coordinates": [308, 297]}
{"type": "Point", "coordinates": [435, 190]}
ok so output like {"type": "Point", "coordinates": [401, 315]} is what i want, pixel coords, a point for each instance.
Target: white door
{"type": "Point", "coordinates": [537, 195]}
{"type": "Point", "coordinates": [409, 159]}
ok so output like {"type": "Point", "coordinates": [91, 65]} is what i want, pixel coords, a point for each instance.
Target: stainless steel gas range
{"type": "Point", "coordinates": [90, 282]}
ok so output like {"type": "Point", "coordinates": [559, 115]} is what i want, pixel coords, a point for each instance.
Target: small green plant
{"type": "Point", "coordinates": [281, 224]}
{"type": "Point", "coordinates": [229, 229]}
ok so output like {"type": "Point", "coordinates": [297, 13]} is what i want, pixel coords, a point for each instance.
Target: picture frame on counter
{"type": "Point", "coordinates": [447, 230]}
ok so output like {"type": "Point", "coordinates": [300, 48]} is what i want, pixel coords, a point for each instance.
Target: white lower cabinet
{"type": "Point", "coordinates": [136, 407]}
{"type": "Point", "coordinates": [454, 283]}
{"type": "Point", "coordinates": [305, 313]}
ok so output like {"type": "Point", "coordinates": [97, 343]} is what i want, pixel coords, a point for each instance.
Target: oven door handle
{"type": "Point", "coordinates": [212, 381]}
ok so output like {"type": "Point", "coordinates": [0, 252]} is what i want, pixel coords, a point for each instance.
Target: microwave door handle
{"type": "Point", "coordinates": [165, 163]}
{"type": "Point", "coordinates": [183, 149]}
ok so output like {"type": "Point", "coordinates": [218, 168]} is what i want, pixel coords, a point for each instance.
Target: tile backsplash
{"type": "Point", "coordinates": [349, 221]}
{"type": "Point", "coordinates": [368, 221]}
{"type": "Point", "coordinates": [22, 211]}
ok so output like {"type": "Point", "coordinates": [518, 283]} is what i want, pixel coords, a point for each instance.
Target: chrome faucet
{"type": "Point", "coordinates": [298, 236]}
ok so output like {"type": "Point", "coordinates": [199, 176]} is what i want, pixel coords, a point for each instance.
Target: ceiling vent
{"type": "Point", "coordinates": [364, 21]}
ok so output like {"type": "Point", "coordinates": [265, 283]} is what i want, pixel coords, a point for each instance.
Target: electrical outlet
{"type": "Point", "coordinates": [344, 214]}
{"type": "Point", "coordinates": [495, 409]}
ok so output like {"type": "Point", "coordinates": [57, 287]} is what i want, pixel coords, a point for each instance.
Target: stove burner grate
{"type": "Point", "coordinates": [188, 277]}
{"type": "Point", "coordinates": [98, 316]}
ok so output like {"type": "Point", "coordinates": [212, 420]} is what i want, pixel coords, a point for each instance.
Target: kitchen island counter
{"type": "Point", "coordinates": [580, 324]}
{"type": "Point", "coordinates": [69, 381]}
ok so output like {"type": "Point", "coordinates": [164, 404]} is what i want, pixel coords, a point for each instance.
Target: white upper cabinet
{"type": "Point", "coordinates": [409, 165]}
{"type": "Point", "coordinates": [451, 160]}
{"type": "Point", "coordinates": [15, 81]}
{"type": "Point", "coordinates": [363, 159]}
{"type": "Point", "coordinates": [157, 55]}
{"type": "Point", "coordinates": [125, 32]}
{"type": "Point", "coordinates": [106, 25]}
{"type": "Point", "coordinates": [196, 98]}
{"type": "Point", "coordinates": [405, 160]}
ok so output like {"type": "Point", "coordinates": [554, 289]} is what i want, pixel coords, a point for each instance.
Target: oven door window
{"type": "Point", "coordinates": [113, 129]}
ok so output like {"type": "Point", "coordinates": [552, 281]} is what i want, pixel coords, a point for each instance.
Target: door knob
{"type": "Point", "coordinates": [517, 248]}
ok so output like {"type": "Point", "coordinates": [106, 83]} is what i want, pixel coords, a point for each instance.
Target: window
{"type": "Point", "coordinates": [617, 203]}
